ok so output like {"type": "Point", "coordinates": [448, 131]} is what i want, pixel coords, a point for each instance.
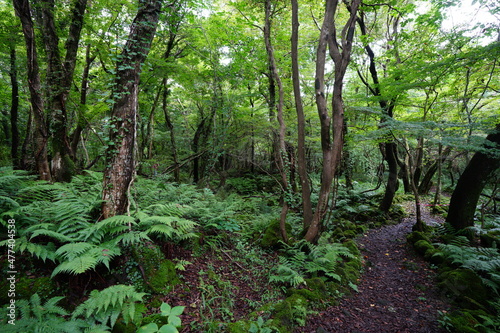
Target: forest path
{"type": "Point", "coordinates": [397, 292]}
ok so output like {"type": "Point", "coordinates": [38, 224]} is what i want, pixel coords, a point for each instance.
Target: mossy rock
{"type": "Point", "coordinates": [422, 246]}
{"type": "Point", "coordinates": [490, 240]}
{"type": "Point", "coordinates": [466, 286]}
{"type": "Point", "coordinates": [416, 236]}
{"type": "Point", "coordinates": [272, 235]}
{"type": "Point", "coordinates": [434, 256]}
{"type": "Point", "coordinates": [352, 246]}
{"type": "Point", "coordinates": [159, 272]}
{"type": "Point", "coordinates": [310, 295]}
{"type": "Point", "coordinates": [164, 277]}
{"type": "Point", "coordinates": [397, 212]}
{"type": "Point", "coordinates": [317, 284]}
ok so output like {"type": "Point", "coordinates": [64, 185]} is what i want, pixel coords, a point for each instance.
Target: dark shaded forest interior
{"type": "Point", "coordinates": [249, 166]}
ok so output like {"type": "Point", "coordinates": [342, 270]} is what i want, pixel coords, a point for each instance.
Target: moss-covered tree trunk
{"type": "Point", "coordinates": [472, 181]}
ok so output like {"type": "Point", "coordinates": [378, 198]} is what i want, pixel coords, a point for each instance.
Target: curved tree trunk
{"type": "Point", "coordinates": [41, 133]}
{"type": "Point", "coordinates": [472, 181]}
{"type": "Point", "coordinates": [120, 155]}
{"type": "Point", "coordinates": [331, 143]}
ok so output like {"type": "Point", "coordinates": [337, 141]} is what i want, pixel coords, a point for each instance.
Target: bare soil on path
{"type": "Point", "coordinates": [396, 293]}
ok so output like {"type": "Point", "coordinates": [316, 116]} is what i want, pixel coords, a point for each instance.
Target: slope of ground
{"type": "Point", "coordinates": [397, 292]}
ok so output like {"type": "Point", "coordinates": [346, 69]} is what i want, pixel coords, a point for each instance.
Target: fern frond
{"type": "Point", "coordinates": [78, 265]}
{"type": "Point", "coordinates": [53, 234]}
{"type": "Point", "coordinates": [106, 305]}
{"type": "Point", "coordinates": [73, 250]}
{"type": "Point", "coordinates": [115, 221]}
{"type": "Point", "coordinates": [132, 238]}
{"type": "Point", "coordinates": [168, 209]}
{"type": "Point", "coordinates": [8, 203]}
{"type": "Point", "coordinates": [287, 275]}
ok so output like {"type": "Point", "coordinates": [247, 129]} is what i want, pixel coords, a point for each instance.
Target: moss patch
{"type": "Point", "coordinates": [272, 235]}
{"type": "Point", "coordinates": [467, 288]}
{"type": "Point", "coordinates": [416, 236]}
{"type": "Point", "coordinates": [159, 272]}
{"type": "Point", "coordinates": [422, 246]}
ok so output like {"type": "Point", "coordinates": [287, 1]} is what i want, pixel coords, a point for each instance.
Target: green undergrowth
{"type": "Point", "coordinates": [468, 266]}
{"type": "Point", "coordinates": [74, 261]}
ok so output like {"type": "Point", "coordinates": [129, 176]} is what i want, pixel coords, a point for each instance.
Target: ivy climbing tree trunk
{"type": "Point", "coordinates": [120, 154]}
{"type": "Point", "coordinates": [472, 181]}
{"type": "Point", "coordinates": [41, 133]}
{"type": "Point", "coordinates": [331, 143]}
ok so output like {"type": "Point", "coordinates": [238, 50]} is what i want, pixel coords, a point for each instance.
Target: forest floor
{"type": "Point", "coordinates": [397, 291]}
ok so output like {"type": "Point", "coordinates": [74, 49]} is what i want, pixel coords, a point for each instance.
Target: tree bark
{"type": "Point", "coordinates": [81, 123]}
{"type": "Point", "coordinates": [120, 154]}
{"type": "Point", "coordinates": [331, 143]}
{"type": "Point", "coordinates": [170, 127]}
{"type": "Point", "coordinates": [281, 151]}
{"type": "Point", "coordinates": [472, 181]}
{"type": "Point", "coordinates": [388, 147]}
{"type": "Point", "coordinates": [14, 111]}
{"type": "Point", "coordinates": [307, 211]}
{"type": "Point", "coordinates": [59, 78]}
{"type": "Point", "coordinates": [425, 185]}
{"type": "Point", "coordinates": [41, 133]}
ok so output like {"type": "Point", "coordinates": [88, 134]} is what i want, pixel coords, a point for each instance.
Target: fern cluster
{"type": "Point", "coordinates": [47, 317]}
{"type": "Point", "coordinates": [107, 305]}
{"type": "Point", "coordinates": [304, 259]}
{"type": "Point", "coordinates": [59, 222]}
{"type": "Point", "coordinates": [484, 261]}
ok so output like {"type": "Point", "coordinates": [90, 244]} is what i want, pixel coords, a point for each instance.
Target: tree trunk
{"type": "Point", "coordinates": [281, 151]}
{"type": "Point", "coordinates": [472, 181]}
{"type": "Point", "coordinates": [81, 122]}
{"type": "Point", "coordinates": [331, 146]}
{"type": "Point", "coordinates": [388, 147]}
{"type": "Point", "coordinates": [301, 123]}
{"type": "Point", "coordinates": [41, 133]}
{"type": "Point", "coordinates": [425, 185]}
{"type": "Point", "coordinates": [120, 154]}
{"type": "Point", "coordinates": [59, 80]}
{"type": "Point", "coordinates": [392, 179]}
{"type": "Point", "coordinates": [170, 127]}
{"type": "Point", "coordinates": [14, 111]}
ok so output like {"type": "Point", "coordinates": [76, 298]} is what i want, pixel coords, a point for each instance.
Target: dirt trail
{"type": "Point", "coordinates": [397, 291]}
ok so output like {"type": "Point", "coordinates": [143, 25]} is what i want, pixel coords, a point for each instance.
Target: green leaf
{"type": "Point", "coordinates": [149, 328]}
{"type": "Point", "coordinates": [168, 329]}
{"type": "Point", "coordinates": [174, 320]}
{"type": "Point", "coordinates": [165, 309]}
{"type": "Point", "coordinates": [177, 310]}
